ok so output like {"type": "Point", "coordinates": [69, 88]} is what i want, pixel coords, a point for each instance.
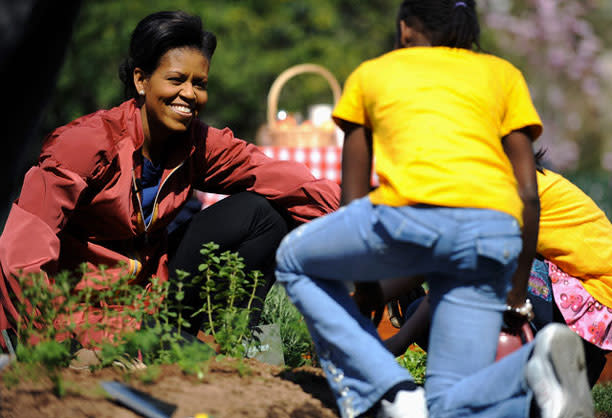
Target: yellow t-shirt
{"type": "Point", "coordinates": [437, 116]}
{"type": "Point", "coordinates": [575, 234]}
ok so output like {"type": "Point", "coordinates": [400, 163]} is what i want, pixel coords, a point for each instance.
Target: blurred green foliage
{"type": "Point", "coordinates": [602, 399]}
{"type": "Point", "coordinates": [257, 40]}
{"type": "Point", "coordinates": [298, 348]}
{"type": "Point", "coordinates": [597, 184]}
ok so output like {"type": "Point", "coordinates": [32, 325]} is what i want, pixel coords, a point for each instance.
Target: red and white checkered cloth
{"type": "Point", "coordinates": [323, 162]}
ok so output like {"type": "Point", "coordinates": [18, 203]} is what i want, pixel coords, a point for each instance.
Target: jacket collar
{"type": "Point", "coordinates": [134, 122]}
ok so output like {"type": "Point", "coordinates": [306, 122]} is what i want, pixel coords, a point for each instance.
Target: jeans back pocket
{"type": "Point", "coordinates": [501, 246]}
{"type": "Point", "coordinates": [403, 225]}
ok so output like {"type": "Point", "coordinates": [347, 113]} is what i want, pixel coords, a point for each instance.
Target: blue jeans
{"type": "Point", "coordinates": [468, 256]}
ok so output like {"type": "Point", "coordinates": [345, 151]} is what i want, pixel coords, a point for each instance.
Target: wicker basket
{"type": "Point", "coordinates": [305, 135]}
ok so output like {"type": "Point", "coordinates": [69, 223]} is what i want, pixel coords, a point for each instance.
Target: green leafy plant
{"type": "Point", "coordinates": [43, 303]}
{"type": "Point", "coordinates": [48, 307]}
{"type": "Point", "coordinates": [228, 297]}
{"type": "Point", "coordinates": [415, 360]}
{"type": "Point", "coordinates": [298, 348]}
{"type": "Point", "coordinates": [602, 397]}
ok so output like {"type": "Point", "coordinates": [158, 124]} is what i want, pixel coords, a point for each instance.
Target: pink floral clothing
{"type": "Point", "coordinates": [582, 312]}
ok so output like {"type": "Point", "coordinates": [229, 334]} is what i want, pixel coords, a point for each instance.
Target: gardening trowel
{"type": "Point", "coordinates": [137, 401]}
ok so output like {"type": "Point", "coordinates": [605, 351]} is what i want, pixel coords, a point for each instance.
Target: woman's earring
{"type": "Point", "coordinates": [141, 92]}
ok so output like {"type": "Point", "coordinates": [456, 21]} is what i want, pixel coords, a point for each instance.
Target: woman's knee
{"type": "Point", "coordinates": [286, 262]}
{"type": "Point", "coordinates": [264, 215]}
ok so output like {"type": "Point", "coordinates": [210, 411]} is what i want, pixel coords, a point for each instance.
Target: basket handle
{"type": "Point", "coordinates": [292, 72]}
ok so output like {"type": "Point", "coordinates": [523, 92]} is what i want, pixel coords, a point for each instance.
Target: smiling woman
{"type": "Point", "coordinates": [108, 186]}
{"type": "Point", "coordinates": [174, 94]}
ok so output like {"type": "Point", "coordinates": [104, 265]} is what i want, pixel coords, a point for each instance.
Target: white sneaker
{"type": "Point", "coordinates": [407, 404]}
{"type": "Point", "coordinates": [556, 373]}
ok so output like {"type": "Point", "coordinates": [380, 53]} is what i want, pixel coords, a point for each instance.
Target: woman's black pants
{"type": "Point", "coordinates": [245, 223]}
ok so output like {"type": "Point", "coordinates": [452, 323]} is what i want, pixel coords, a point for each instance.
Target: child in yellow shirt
{"type": "Point", "coordinates": [451, 131]}
{"type": "Point", "coordinates": [575, 267]}
{"type": "Point", "coordinates": [573, 270]}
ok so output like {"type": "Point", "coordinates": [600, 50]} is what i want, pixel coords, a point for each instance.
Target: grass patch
{"type": "Point", "coordinates": [298, 348]}
{"type": "Point", "coordinates": [602, 397]}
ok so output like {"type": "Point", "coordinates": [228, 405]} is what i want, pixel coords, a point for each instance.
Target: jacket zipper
{"type": "Point", "coordinates": [135, 185]}
{"type": "Point", "coordinates": [147, 225]}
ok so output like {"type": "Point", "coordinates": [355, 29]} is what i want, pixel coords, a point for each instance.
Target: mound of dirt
{"type": "Point", "coordinates": [228, 389]}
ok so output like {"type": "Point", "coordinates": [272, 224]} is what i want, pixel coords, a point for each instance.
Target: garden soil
{"type": "Point", "coordinates": [228, 389]}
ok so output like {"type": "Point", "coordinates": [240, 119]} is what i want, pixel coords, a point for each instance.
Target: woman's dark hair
{"type": "Point", "coordinates": [158, 33]}
{"type": "Point", "coordinates": [445, 22]}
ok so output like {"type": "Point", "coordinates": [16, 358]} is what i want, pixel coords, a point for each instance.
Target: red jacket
{"type": "Point", "coordinates": [79, 204]}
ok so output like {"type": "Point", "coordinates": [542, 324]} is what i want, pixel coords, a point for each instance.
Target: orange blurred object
{"type": "Point", "coordinates": [606, 374]}
{"type": "Point", "coordinates": [385, 328]}
{"type": "Point", "coordinates": [286, 124]}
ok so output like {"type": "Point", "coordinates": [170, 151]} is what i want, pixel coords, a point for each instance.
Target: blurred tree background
{"type": "Point", "coordinates": [257, 40]}
{"type": "Point", "coordinates": [562, 46]}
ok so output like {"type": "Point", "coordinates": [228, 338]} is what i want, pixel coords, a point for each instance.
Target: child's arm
{"type": "Point", "coordinates": [356, 161]}
{"type": "Point", "coordinates": [416, 328]}
{"type": "Point", "coordinates": [517, 146]}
